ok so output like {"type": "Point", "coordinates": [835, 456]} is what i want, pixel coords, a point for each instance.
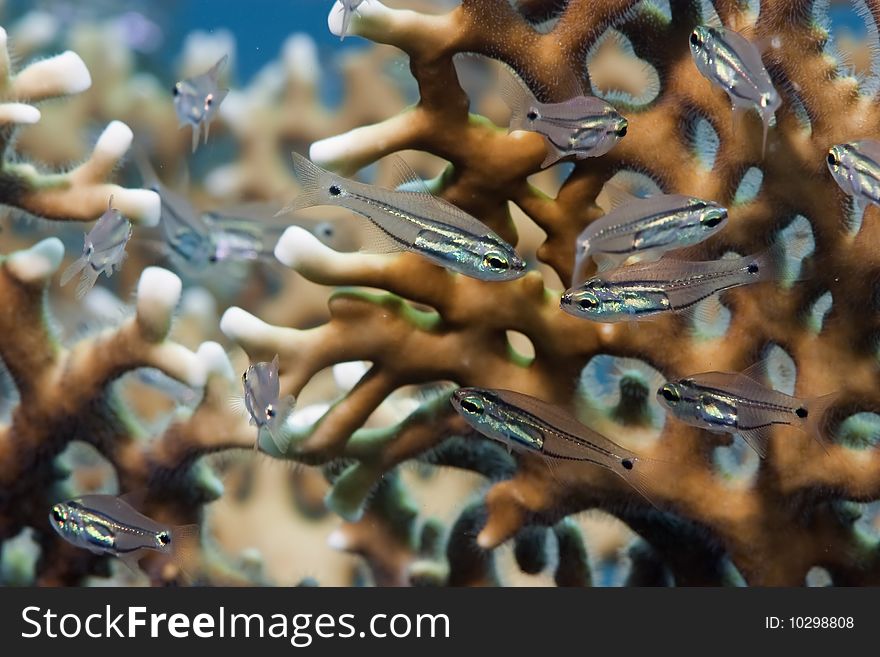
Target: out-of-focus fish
{"type": "Point", "coordinates": [582, 126]}
{"type": "Point", "coordinates": [103, 250]}
{"type": "Point", "coordinates": [646, 227]}
{"type": "Point", "coordinates": [414, 221]}
{"type": "Point", "coordinates": [196, 100]}
{"type": "Point", "coordinates": [348, 9]}
{"type": "Point", "coordinates": [106, 524]}
{"type": "Point", "coordinates": [647, 289]}
{"type": "Point", "coordinates": [529, 425]}
{"type": "Point", "coordinates": [855, 167]}
{"type": "Point", "coordinates": [262, 398]}
{"type": "Point", "coordinates": [738, 404]}
{"type": "Point", "coordinates": [732, 62]}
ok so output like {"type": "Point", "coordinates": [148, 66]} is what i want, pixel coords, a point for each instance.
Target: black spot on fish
{"type": "Point", "coordinates": [532, 115]}
{"type": "Point", "coordinates": [627, 464]}
{"type": "Point", "coordinates": [334, 190]}
{"type": "Point", "coordinates": [801, 412]}
{"type": "Point", "coordinates": [753, 268]}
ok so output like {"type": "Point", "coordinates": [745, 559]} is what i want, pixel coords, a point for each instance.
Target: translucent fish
{"type": "Point", "coordinates": [646, 227]}
{"type": "Point", "coordinates": [196, 100]}
{"type": "Point", "coordinates": [105, 524]}
{"type": "Point", "coordinates": [262, 398]}
{"type": "Point", "coordinates": [855, 167]}
{"type": "Point", "coordinates": [527, 424]}
{"type": "Point", "coordinates": [195, 240]}
{"type": "Point", "coordinates": [582, 126]}
{"type": "Point", "coordinates": [735, 403]}
{"type": "Point", "coordinates": [648, 289]}
{"type": "Point", "coordinates": [348, 9]}
{"type": "Point", "coordinates": [103, 250]}
{"type": "Point", "coordinates": [415, 221]}
{"type": "Point", "coordinates": [732, 62]}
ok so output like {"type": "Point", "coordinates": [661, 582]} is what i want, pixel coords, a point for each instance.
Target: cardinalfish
{"type": "Point", "coordinates": [197, 99]}
{"type": "Point", "coordinates": [645, 290]}
{"type": "Point", "coordinates": [581, 126]}
{"type": "Point", "coordinates": [413, 220]}
{"type": "Point", "coordinates": [646, 228]}
{"type": "Point", "coordinates": [528, 425]}
{"type": "Point", "coordinates": [736, 403]}
{"type": "Point", "coordinates": [103, 250]}
{"type": "Point", "coordinates": [262, 398]}
{"type": "Point", "coordinates": [106, 524]}
{"type": "Point", "coordinates": [732, 62]}
{"type": "Point", "coordinates": [855, 167]}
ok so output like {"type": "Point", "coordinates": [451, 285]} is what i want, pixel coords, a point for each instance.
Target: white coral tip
{"type": "Point", "coordinates": [337, 540]}
{"type": "Point", "coordinates": [295, 245]}
{"type": "Point", "coordinates": [213, 358]}
{"type": "Point", "coordinates": [237, 324]}
{"type": "Point", "coordinates": [115, 141]}
{"type": "Point", "coordinates": [347, 375]}
{"type": "Point", "coordinates": [142, 206]}
{"type": "Point", "coordinates": [38, 262]}
{"type": "Point", "coordinates": [18, 113]}
{"type": "Point", "coordinates": [74, 73]}
{"type": "Point", "coordinates": [158, 292]}
{"type": "Point", "coordinates": [300, 55]}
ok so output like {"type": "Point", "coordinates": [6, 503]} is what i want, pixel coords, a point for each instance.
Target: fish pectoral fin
{"type": "Point", "coordinates": [608, 261]}
{"type": "Point", "coordinates": [378, 241]}
{"type": "Point", "coordinates": [553, 154]}
{"type": "Point", "coordinates": [757, 439]}
{"type": "Point", "coordinates": [73, 269]}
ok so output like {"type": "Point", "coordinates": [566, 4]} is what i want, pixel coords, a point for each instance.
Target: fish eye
{"type": "Point", "coordinates": [496, 262]}
{"type": "Point", "coordinates": [832, 159]}
{"type": "Point", "coordinates": [588, 302]}
{"type": "Point", "coordinates": [532, 115]}
{"type": "Point", "coordinates": [270, 411]}
{"type": "Point", "coordinates": [696, 39]}
{"type": "Point", "coordinates": [164, 538]}
{"type": "Point", "coordinates": [58, 515]}
{"type": "Point", "coordinates": [627, 464]}
{"type": "Point", "coordinates": [209, 100]}
{"type": "Point", "coordinates": [670, 393]}
{"type": "Point", "coordinates": [472, 405]}
{"type": "Point", "coordinates": [712, 219]}
{"type": "Point", "coordinates": [753, 268]}
{"type": "Point", "coordinates": [334, 190]}
{"type": "Point", "coordinates": [175, 90]}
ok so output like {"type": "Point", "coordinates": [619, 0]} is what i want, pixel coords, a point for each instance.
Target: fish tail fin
{"type": "Point", "coordinates": [642, 475]}
{"type": "Point", "coordinates": [214, 73]}
{"type": "Point", "coordinates": [517, 97]}
{"type": "Point", "coordinates": [346, 22]}
{"type": "Point", "coordinates": [73, 269]}
{"type": "Point", "coordinates": [195, 136]}
{"type": "Point", "coordinates": [87, 282]}
{"type": "Point", "coordinates": [775, 264]}
{"type": "Point", "coordinates": [314, 181]}
{"type": "Point", "coordinates": [813, 416]}
{"type": "Point", "coordinates": [185, 549]}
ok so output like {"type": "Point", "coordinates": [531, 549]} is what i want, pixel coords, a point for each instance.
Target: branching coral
{"type": "Point", "coordinates": [429, 325]}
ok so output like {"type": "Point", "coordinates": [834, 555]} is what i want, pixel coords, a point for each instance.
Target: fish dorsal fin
{"type": "Point", "coordinates": [767, 43]}
{"type": "Point", "coordinates": [135, 499]}
{"type": "Point", "coordinates": [618, 195]}
{"type": "Point", "coordinates": [407, 180]}
{"type": "Point", "coordinates": [214, 71]}
{"type": "Point", "coordinates": [757, 372]}
{"type": "Point", "coordinates": [569, 85]}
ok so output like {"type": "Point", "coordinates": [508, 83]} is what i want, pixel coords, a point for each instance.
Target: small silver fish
{"type": "Point", "coordinates": [646, 227]}
{"type": "Point", "coordinates": [725, 402]}
{"type": "Point", "coordinates": [196, 100]}
{"type": "Point", "coordinates": [529, 425]}
{"type": "Point", "coordinates": [348, 9]}
{"type": "Point", "coordinates": [262, 398]}
{"type": "Point", "coordinates": [647, 289]}
{"type": "Point", "coordinates": [415, 221]}
{"type": "Point", "coordinates": [582, 126]}
{"type": "Point", "coordinates": [732, 62]}
{"type": "Point", "coordinates": [106, 524]}
{"type": "Point", "coordinates": [855, 167]}
{"type": "Point", "coordinates": [103, 250]}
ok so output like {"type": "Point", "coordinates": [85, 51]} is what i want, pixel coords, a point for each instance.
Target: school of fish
{"type": "Point", "coordinates": [634, 275]}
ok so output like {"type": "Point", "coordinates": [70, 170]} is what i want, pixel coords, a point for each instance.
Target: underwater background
{"type": "Point", "coordinates": [137, 385]}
